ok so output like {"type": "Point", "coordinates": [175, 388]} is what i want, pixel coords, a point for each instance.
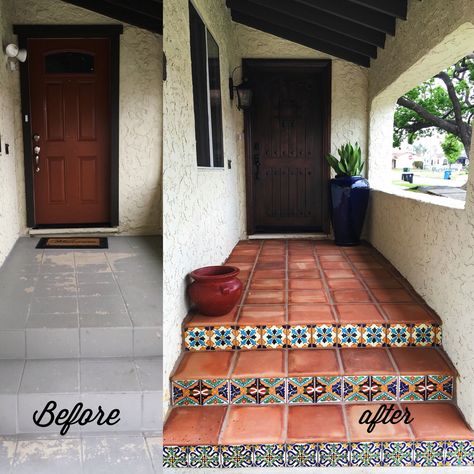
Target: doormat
{"type": "Point", "coordinates": [73, 243]}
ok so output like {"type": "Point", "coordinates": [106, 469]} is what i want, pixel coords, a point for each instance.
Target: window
{"type": "Point", "coordinates": [207, 93]}
{"type": "Point", "coordinates": [69, 62]}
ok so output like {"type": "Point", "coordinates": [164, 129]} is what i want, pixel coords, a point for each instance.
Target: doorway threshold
{"type": "Point", "coordinates": [318, 236]}
{"type": "Point", "coordinates": [74, 231]}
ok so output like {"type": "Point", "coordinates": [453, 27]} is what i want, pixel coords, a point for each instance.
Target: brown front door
{"type": "Point", "coordinates": [69, 81]}
{"type": "Point", "coordinates": [286, 140]}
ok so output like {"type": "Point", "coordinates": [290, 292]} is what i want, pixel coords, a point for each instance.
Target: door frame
{"type": "Point", "coordinates": [323, 67]}
{"type": "Point", "coordinates": [112, 32]}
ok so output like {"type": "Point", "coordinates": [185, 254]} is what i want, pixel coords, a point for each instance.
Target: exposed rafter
{"type": "Point", "coordinates": [396, 8]}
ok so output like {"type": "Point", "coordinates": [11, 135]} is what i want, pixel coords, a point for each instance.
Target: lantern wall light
{"type": "Point", "coordinates": [242, 91]}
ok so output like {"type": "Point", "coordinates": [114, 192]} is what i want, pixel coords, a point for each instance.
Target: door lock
{"type": "Point", "coordinates": [256, 159]}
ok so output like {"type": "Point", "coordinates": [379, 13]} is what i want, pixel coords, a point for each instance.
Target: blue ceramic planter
{"type": "Point", "coordinates": [349, 200]}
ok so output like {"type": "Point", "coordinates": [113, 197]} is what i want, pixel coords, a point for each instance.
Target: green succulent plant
{"type": "Point", "coordinates": [350, 162]}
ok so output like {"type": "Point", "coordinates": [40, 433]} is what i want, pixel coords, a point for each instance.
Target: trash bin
{"type": "Point", "coordinates": [447, 174]}
{"type": "Point", "coordinates": [408, 177]}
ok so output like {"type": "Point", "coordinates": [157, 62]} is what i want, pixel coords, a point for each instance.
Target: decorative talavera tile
{"type": "Point", "coordinates": [398, 335]}
{"type": "Point", "coordinates": [328, 389]}
{"type": "Point", "coordinates": [272, 391]}
{"type": "Point", "coordinates": [324, 335]}
{"type": "Point", "coordinates": [441, 387]}
{"type": "Point", "coordinates": [298, 337]}
{"type": "Point", "coordinates": [243, 391]}
{"type": "Point", "coordinates": [269, 455]}
{"type": "Point", "coordinates": [301, 455]}
{"type": "Point", "coordinates": [186, 392]}
{"type": "Point", "coordinates": [397, 453]}
{"type": "Point", "coordinates": [374, 335]}
{"type": "Point", "coordinates": [428, 453]}
{"type": "Point", "coordinates": [196, 339]}
{"type": "Point", "coordinates": [349, 335]}
{"type": "Point", "coordinates": [366, 454]}
{"type": "Point", "coordinates": [175, 456]}
{"type": "Point", "coordinates": [301, 390]}
{"type": "Point", "coordinates": [333, 454]}
{"type": "Point", "coordinates": [412, 388]}
{"type": "Point", "coordinates": [222, 338]}
{"type": "Point", "coordinates": [203, 456]}
{"type": "Point", "coordinates": [356, 389]}
{"type": "Point", "coordinates": [423, 335]}
{"type": "Point", "coordinates": [273, 337]}
{"type": "Point", "coordinates": [214, 392]}
{"type": "Point", "coordinates": [247, 337]}
{"type": "Point", "coordinates": [459, 453]}
{"type": "Point", "coordinates": [438, 335]}
{"type": "Point", "coordinates": [383, 388]}
{"type": "Point", "coordinates": [236, 456]}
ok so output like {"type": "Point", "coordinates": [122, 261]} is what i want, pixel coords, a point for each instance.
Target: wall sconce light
{"type": "Point", "coordinates": [14, 52]}
{"type": "Point", "coordinates": [243, 92]}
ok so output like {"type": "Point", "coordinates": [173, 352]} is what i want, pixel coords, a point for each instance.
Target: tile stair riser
{"type": "Point", "coordinates": [363, 454]}
{"type": "Point", "coordinates": [312, 336]}
{"type": "Point", "coordinates": [313, 390]}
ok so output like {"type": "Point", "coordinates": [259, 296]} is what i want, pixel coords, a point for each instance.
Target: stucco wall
{"type": "Point", "coordinates": [204, 210]}
{"type": "Point", "coordinates": [430, 241]}
{"type": "Point", "coordinates": [140, 119]}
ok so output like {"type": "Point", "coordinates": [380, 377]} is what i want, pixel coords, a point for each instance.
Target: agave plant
{"type": "Point", "coordinates": [350, 162]}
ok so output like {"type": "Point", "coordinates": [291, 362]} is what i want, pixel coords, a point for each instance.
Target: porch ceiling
{"type": "Point", "coordinates": [348, 29]}
{"type": "Point", "coordinates": [146, 14]}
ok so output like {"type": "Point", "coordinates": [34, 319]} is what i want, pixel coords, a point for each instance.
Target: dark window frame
{"type": "Point", "coordinates": [208, 117]}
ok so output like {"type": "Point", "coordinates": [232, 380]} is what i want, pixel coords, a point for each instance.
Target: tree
{"type": "Point", "coordinates": [452, 148]}
{"type": "Point", "coordinates": [444, 103]}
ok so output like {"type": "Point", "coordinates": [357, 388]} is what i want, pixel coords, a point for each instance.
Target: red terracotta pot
{"type": "Point", "coordinates": [215, 290]}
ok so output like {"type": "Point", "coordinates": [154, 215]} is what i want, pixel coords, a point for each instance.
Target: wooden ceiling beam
{"type": "Point", "coordinates": [149, 8]}
{"type": "Point", "coordinates": [396, 8]}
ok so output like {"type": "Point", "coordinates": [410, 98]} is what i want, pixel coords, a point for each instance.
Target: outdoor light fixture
{"type": "Point", "coordinates": [14, 52]}
{"type": "Point", "coordinates": [243, 91]}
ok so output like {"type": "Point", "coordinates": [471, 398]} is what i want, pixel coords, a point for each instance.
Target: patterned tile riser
{"type": "Point", "coordinates": [313, 390]}
{"type": "Point", "coordinates": [311, 336]}
{"type": "Point", "coordinates": [366, 454]}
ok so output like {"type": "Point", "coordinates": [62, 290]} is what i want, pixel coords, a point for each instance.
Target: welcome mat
{"type": "Point", "coordinates": [73, 243]}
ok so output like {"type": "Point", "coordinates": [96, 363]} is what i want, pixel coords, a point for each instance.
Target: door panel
{"type": "Point", "coordinates": [286, 144]}
{"type": "Point", "coordinates": [70, 112]}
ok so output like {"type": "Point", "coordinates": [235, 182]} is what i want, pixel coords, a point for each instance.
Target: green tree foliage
{"type": "Point", "coordinates": [452, 148]}
{"type": "Point", "coordinates": [445, 103]}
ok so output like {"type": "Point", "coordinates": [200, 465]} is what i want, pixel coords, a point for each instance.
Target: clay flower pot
{"type": "Point", "coordinates": [215, 290]}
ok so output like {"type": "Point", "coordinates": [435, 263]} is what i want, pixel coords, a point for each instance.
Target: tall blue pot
{"type": "Point", "coordinates": [349, 200]}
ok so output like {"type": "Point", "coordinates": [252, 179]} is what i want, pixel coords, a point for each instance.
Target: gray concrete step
{"type": "Point", "coordinates": [32, 388]}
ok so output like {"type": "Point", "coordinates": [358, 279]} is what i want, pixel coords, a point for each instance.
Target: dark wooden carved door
{"type": "Point", "coordinates": [286, 143]}
{"type": "Point", "coordinates": [70, 117]}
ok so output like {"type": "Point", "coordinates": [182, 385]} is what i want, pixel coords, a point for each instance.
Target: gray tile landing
{"type": "Point", "coordinates": [82, 303]}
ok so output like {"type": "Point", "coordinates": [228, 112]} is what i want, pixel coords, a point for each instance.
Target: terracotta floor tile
{"type": "Point", "coordinates": [241, 258]}
{"type": "Point", "coordinates": [419, 361]}
{"type": "Point", "coordinates": [305, 284]}
{"type": "Point", "coordinates": [265, 297]}
{"type": "Point", "coordinates": [268, 274]}
{"type": "Point", "coordinates": [254, 425]}
{"type": "Point", "coordinates": [392, 296]}
{"type": "Point", "coordinates": [361, 313]}
{"type": "Point", "coordinates": [205, 365]}
{"type": "Point", "coordinates": [274, 284]}
{"type": "Point", "coordinates": [295, 257]}
{"type": "Point", "coordinates": [412, 313]}
{"type": "Point", "coordinates": [313, 362]}
{"type": "Point", "coordinates": [303, 266]}
{"type": "Point", "coordinates": [382, 283]}
{"type": "Point", "coordinates": [303, 274]}
{"type": "Point", "coordinates": [332, 258]}
{"type": "Point", "coordinates": [335, 265]}
{"type": "Point", "coordinates": [261, 315]}
{"type": "Point", "coordinates": [345, 284]}
{"type": "Point", "coordinates": [363, 257]}
{"type": "Point", "coordinates": [438, 421]}
{"type": "Point", "coordinates": [260, 364]}
{"type": "Point", "coordinates": [270, 265]}
{"type": "Point", "coordinates": [328, 251]}
{"type": "Point", "coordinates": [310, 314]}
{"type": "Point", "coordinates": [188, 426]}
{"type": "Point", "coordinates": [301, 296]}
{"type": "Point", "coordinates": [202, 320]}
{"type": "Point", "coordinates": [375, 273]}
{"type": "Point", "coordinates": [361, 361]}
{"type": "Point", "coordinates": [308, 424]}
{"type": "Point", "coordinates": [370, 264]}
{"type": "Point", "coordinates": [339, 274]}
{"type": "Point", "coordinates": [242, 266]}
{"type": "Point", "coordinates": [351, 296]}
{"type": "Point", "coordinates": [381, 432]}
{"type": "Point", "coordinates": [277, 252]}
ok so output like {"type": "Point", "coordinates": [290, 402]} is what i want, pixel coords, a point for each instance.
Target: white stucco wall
{"type": "Point", "coordinates": [430, 241]}
{"type": "Point", "coordinates": [204, 210]}
{"type": "Point", "coordinates": [141, 110]}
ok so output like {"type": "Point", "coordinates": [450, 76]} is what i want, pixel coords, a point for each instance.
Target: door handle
{"type": "Point", "coordinates": [36, 151]}
{"type": "Point", "coordinates": [256, 159]}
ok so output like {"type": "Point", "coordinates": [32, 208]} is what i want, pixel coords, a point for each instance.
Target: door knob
{"type": "Point", "coordinates": [37, 149]}
{"type": "Point", "coordinates": [256, 159]}
{"type": "Point", "coordinates": [36, 137]}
